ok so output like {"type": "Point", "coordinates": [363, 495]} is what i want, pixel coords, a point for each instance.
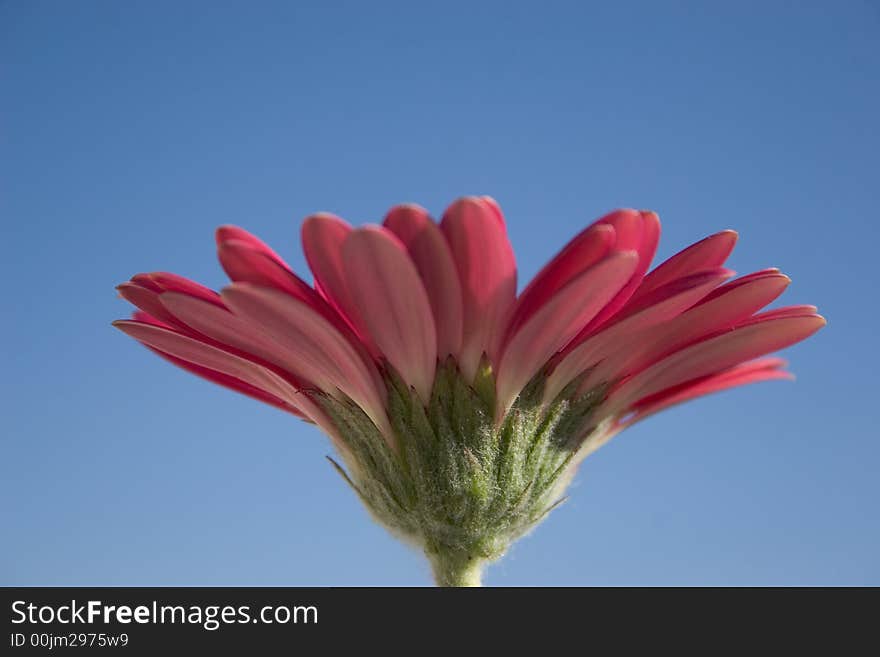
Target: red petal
{"type": "Point", "coordinates": [705, 254]}
{"type": "Point", "coordinates": [237, 385]}
{"type": "Point", "coordinates": [306, 408]}
{"type": "Point", "coordinates": [487, 272]}
{"type": "Point", "coordinates": [148, 301]}
{"type": "Point", "coordinates": [557, 322]}
{"type": "Point", "coordinates": [492, 204]}
{"type": "Point", "coordinates": [322, 238]}
{"type": "Point", "coordinates": [642, 235]}
{"type": "Point", "coordinates": [141, 316]}
{"type": "Point", "coordinates": [660, 306]}
{"type": "Point", "coordinates": [242, 262]}
{"type": "Point", "coordinates": [203, 355]}
{"type": "Point", "coordinates": [429, 251]}
{"type": "Point", "coordinates": [392, 304]}
{"type": "Point", "coordinates": [302, 341]}
{"type": "Point", "coordinates": [168, 282]}
{"type": "Point", "coordinates": [718, 311]}
{"type": "Point", "coordinates": [581, 253]}
{"type": "Point", "coordinates": [763, 369]}
{"type": "Point", "coordinates": [779, 313]}
{"type": "Point", "coordinates": [713, 355]}
{"type": "Point", "coordinates": [230, 233]}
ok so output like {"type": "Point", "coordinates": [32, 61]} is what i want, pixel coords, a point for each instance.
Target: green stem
{"type": "Point", "coordinates": [456, 569]}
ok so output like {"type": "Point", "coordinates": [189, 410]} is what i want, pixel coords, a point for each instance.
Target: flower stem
{"type": "Point", "coordinates": [456, 569]}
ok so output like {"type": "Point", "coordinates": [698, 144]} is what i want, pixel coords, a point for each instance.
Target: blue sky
{"type": "Point", "coordinates": [128, 131]}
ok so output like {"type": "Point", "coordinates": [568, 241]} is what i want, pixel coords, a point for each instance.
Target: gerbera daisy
{"type": "Point", "coordinates": [460, 410]}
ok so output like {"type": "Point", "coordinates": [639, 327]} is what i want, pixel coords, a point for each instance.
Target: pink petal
{"type": "Point", "coordinates": [742, 280]}
{"type": "Point", "coordinates": [146, 318]}
{"type": "Point", "coordinates": [778, 313]}
{"type": "Point", "coordinates": [143, 291]}
{"type": "Point", "coordinates": [206, 356]}
{"type": "Point", "coordinates": [199, 319]}
{"type": "Point", "coordinates": [393, 304]}
{"type": "Point", "coordinates": [719, 310]}
{"type": "Point", "coordinates": [193, 311]}
{"type": "Point", "coordinates": [147, 300]}
{"type": "Point", "coordinates": [233, 332]}
{"type": "Point", "coordinates": [581, 253]}
{"type": "Point", "coordinates": [308, 410]}
{"type": "Point", "coordinates": [253, 262]}
{"type": "Point", "coordinates": [713, 355]}
{"type": "Point", "coordinates": [492, 204]}
{"type": "Point", "coordinates": [244, 263]}
{"type": "Point", "coordinates": [487, 271]}
{"type": "Point", "coordinates": [642, 235]}
{"type": "Point", "coordinates": [322, 238]}
{"type": "Point", "coordinates": [145, 280]}
{"type": "Point", "coordinates": [304, 407]}
{"type": "Point", "coordinates": [234, 233]}
{"type": "Point", "coordinates": [429, 251]}
{"type": "Point", "coordinates": [557, 322]}
{"type": "Point", "coordinates": [167, 282]}
{"type": "Point", "coordinates": [705, 254]}
{"type": "Point", "coordinates": [699, 280]}
{"type": "Point", "coordinates": [229, 382]}
{"type": "Point", "coordinates": [660, 306]}
{"type": "Point", "coordinates": [302, 341]}
{"type": "Point", "coordinates": [764, 369]}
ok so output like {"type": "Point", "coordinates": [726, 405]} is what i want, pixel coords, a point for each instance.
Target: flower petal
{"type": "Point", "coordinates": [244, 263]}
{"type": "Point", "coordinates": [557, 322]}
{"type": "Point", "coordinates": [203, 355]}
{"type": "Point", "coordinates": [778, 313]}
{"type": "Point", "coordinates": [322, 238]}
{"type": "Point", "coordinates": [393, 304]}
{"type": "Point", "coordinates": [762, 369]}
{"type": "Point", "coordinates": [429, 251]}
{"type": "Point", "coordinates": [305, 342]}
{"type": "Point", "coordinates": [230, 233]}
{"type": "Point", "coordinates": [146, 318]}
{"type": "Point", "coordinates": [713, 355]}
{"type": "Point", "coordinates": [492, 204]}
{"type": "Point", "coordinates": [143, 291]}
{"type": "Point", "coordinates": [581, 253]}
{"type": "Point", "coordinates": [232, 383]}
{"type": "Point", "coordinates": [641, 234]}
{"type": "Point", "coordinates": [742, 280]}
{"type": "Point", "coordinates": [301, 405]}
{"type": "Point", "coordinates": [208, 323]}
{"type": "Point", "coordinates": [226, 328]}
{"type": "Point", "coordinates": [487, 271]}
{"type": "Point", "coordinates": [148, 301]}
{"type": "Point", "coordinates": [660, 306]}
{"type": "Point", "coordinates": [709, 252]}
{"type": "Point", "coordinates": [719, 310]}
{"type": "Point", "coordinates": [167, 282]}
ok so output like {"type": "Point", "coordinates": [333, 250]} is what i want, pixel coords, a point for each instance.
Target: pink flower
{"type": "Point", "coordinates": [459, 408]}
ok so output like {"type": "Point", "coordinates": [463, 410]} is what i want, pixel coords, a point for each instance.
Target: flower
{"type": "Point", "coordinates": [459, 409]}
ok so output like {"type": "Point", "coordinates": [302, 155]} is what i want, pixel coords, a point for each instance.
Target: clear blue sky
{"type": "Point", "coordinates": [131, 130]}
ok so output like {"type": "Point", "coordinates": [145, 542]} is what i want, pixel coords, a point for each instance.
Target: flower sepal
{"type": "Point", "coordinates": [455, 481]}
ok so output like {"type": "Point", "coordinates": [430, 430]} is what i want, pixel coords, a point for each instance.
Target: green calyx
{"type": "Point", "coordinates": [460, 485]}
